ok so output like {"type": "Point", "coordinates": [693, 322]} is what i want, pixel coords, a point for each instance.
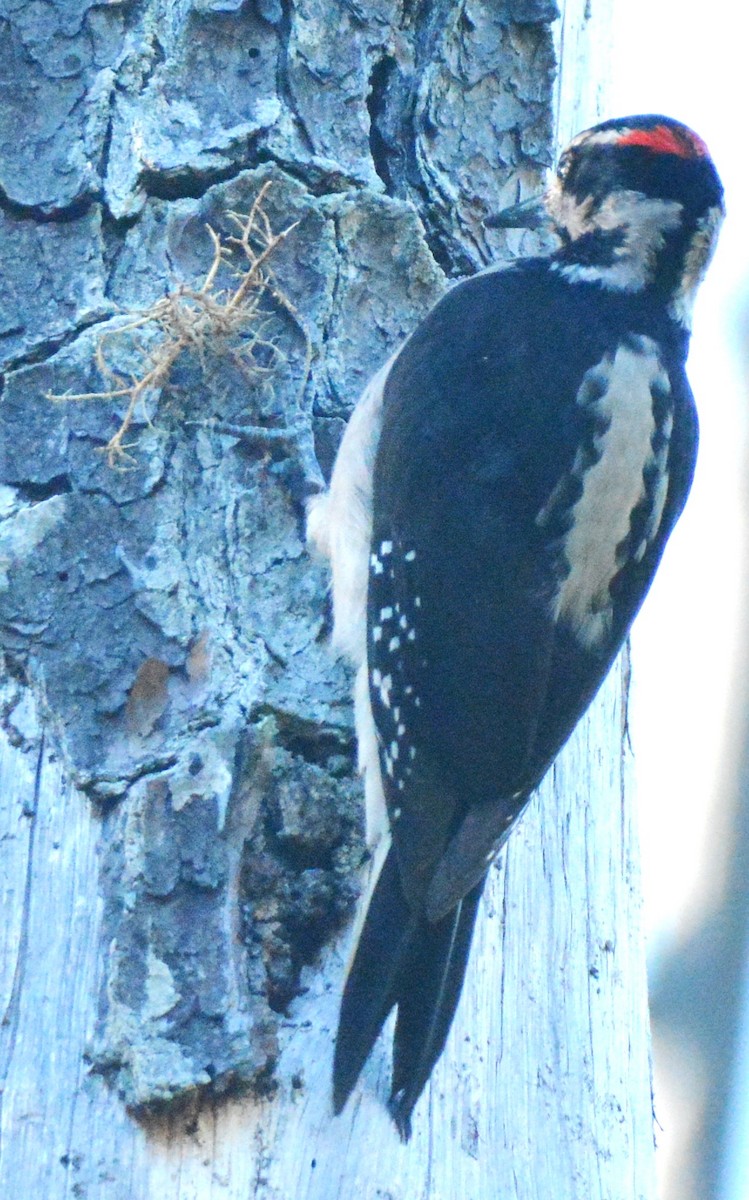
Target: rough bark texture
{"type": "Point", "coordinates": [180, 813]}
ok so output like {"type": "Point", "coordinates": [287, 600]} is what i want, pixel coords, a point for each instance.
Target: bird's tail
{"type": "Point", "coordinates": [402, 959]}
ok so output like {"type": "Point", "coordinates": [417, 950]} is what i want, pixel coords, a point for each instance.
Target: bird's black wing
{"type": "Point", "coordinates": [494, 607]}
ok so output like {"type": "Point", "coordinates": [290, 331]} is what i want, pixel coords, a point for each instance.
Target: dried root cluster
{"type": "Point", "coordinates": [196, 320]}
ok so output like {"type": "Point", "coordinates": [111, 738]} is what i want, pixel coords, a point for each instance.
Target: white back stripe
{"type": "Point", "coordinates": [612, 486]}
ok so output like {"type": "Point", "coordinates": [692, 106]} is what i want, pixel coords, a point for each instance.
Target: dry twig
{"type": "Point", "coordinates": [190, 319]}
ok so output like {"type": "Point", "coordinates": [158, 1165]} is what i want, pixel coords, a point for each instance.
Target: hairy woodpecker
{"type": "Point", "coordinates": [497, 510]}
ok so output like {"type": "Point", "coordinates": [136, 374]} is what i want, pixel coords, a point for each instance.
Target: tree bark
{"type": "Point", "coordinates": [180, 816]}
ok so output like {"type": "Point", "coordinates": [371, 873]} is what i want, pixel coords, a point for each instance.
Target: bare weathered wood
{"type": "Point", "coordinates": [544, 1088]}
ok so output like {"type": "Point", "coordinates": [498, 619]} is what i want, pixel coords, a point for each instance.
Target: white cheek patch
{"type": "Point", "coordinates": [567, 212]}
{"type": "Point", "coordinates": [696, 262]}
{"type": "Point", "coordinates": [620, 395]}
{"type": "Point", "coordinates": [643, 222]}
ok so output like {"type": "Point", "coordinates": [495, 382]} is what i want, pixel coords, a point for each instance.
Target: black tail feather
{"type": "Point", "coordinates": [402, 959]}
{"type": "Point", "coordinates": [428, 995]}
{"type": "Point", "coordinates": [385, 944]}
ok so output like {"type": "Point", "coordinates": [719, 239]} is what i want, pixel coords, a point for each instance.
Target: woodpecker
{"type": "Point", "coordinates": [498, 507]}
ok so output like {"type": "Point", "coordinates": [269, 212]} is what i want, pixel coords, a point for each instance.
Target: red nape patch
{"type": "Point", "coordinates": [664, 140]}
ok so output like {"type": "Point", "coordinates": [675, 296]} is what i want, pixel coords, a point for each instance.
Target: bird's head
{"type": "Point", "coordinates": [637, 204]}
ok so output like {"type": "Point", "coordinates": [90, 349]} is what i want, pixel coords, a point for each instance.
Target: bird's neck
{"type": "Point", "coordinates": [635, 243]}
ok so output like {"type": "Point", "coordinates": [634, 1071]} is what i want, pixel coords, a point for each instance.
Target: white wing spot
{"type": "Point", "coordinates": [386, 548]}
{"type": "Point", "coordinates": [403, 622]}
{"type": "Point", "coordinates": [401, 728]}
{"type": "Point", "coordinates": [377, 633]}
{"type": "Point", "coordinates": [394, 644]}
{"type": "Point", "coordinates": [412, 635]}
{"type": "Point", "coordinates": [397, 811]}
{"type": "Point", "coordinates": [417, 602]}
{"type": "Point", "coordinates": [410, 556]}
{"type": "Point", "coordinates": [386, 614]}
{"type": "Point", "coordinates": [377, 677]}
{"type": "Point", "coordinates": [394, 750]}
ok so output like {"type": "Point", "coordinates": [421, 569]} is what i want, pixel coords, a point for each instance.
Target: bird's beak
{"type": "Point", "coordinates": [529, 214]}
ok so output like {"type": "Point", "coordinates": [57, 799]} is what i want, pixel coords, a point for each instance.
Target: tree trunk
{"type": "Point", "coordinates": [179, 813]}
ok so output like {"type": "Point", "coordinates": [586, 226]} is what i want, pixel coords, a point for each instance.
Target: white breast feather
{"type": "Point", "coordinates": [339, 525]}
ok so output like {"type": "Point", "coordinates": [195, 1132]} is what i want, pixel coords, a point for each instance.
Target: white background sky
{"type": "Point", "coordinates": [691, 62]}
{"type": "Point", "coordinates": [685, 641]}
